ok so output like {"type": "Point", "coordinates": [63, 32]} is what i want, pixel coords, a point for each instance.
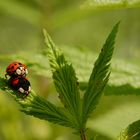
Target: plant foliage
{"type": "Point", "coordinates": [99, 76]}
{"type": "Point", "coordinates": [112, 4]}
{"type": "Point", "coordinates": [76, 108]}
{"type": "Point", "coordinates": [64, 78]}
{"type": "Point", "coordinates": [132, 132]}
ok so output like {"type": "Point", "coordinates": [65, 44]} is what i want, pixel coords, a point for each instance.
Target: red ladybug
{"type": "Point", "coordinates": [20, 84]}
{"type": "Point", "coordinates": [16, 69]}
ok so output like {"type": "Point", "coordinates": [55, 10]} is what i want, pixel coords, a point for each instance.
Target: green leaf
{"type": "Point", "coordinates": [43, 109]}
{"type": "Point", "coordinates": [111, 4]}
{"type": "Point", "coordinates": [37, 106]}
{"type": "Point", "coordinates": [65, 80]}
{"type": "Point", "coordinates": [132, 132]}
{"type": "Point", "coordinates": [99, 76]}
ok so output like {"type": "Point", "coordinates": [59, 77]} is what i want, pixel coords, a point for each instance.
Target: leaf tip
{"type": "Point", "coordinates": [117, 25]}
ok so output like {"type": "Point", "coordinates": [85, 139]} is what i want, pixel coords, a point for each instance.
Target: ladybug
{"type": "Point", "coordinates": [20, 84]}
{"type": "Point", "coordinates": [16, 69]}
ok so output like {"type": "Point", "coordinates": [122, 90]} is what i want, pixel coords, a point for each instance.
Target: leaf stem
{"type": "Point", "coordinates": [82, 135]}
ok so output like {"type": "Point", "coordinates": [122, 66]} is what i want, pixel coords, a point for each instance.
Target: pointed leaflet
{"type": "Point", "coordinates": [132, 132]}
{"type": "Point", "coordinates": [64, 79]}
{"type": "Point", "coordinates": [99, 76]}
{"type": "Point", "coordinates": [37, 106]}
{"type": "Point", "coordinates": [40, 108]}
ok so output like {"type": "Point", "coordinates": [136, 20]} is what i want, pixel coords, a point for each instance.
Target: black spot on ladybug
{"type": "Point", "coordinates": [19, 63]}
{"type": "Point", "coordinates": [12, 67]}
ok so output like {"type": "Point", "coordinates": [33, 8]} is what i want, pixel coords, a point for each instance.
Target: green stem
{"type": "Point", "coordinates": [82, 135]}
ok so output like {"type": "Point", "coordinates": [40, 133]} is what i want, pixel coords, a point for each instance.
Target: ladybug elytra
{"type": "Point", "coordinates": [16, 69]}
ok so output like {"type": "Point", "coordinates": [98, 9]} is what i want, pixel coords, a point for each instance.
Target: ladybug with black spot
{"type": "Point", "coordinates": [16, 69]}
{"type": "Point", "coordinates": [16, 76]}
{"type": "Point", "coordinates": [20, 84]}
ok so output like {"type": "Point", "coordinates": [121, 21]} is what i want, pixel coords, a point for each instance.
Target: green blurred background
{"type": "Point", "coordinates": [69, 23]}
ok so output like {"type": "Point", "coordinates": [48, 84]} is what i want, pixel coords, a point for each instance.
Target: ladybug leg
{"type": "Point", "coordinates": [6, 76]}
{"type": "Point", "coordinates": [27, 92]}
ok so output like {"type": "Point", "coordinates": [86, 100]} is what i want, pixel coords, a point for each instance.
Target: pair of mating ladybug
{"type": "Point", "coordinates": [16, 75]}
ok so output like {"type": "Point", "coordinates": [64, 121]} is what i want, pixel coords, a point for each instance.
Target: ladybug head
{"type": "Point", "coordinates": [16, 69]}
